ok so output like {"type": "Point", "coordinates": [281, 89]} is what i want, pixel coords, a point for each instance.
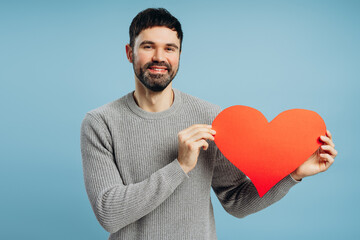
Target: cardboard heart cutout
{"type": "Point", "coordinates": [265, 151]}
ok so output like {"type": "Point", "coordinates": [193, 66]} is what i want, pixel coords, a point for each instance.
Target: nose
{"type": "Point", "coordinates": [158, 56]}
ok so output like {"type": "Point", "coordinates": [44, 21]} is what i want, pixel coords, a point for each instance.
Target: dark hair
{"type": "Point", "coordinates": [153, 17]}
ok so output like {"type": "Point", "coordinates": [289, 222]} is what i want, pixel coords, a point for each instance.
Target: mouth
{"type": "Point", "coordinates": [158, 69]}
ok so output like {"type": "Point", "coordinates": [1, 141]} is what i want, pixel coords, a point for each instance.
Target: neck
{"type": "Point", "coordinates": [151, 101]}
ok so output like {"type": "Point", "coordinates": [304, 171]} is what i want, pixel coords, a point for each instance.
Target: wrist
{"type": "Point", "coordinates": [296, 176]}
{"type": "Point", "coordinates": [185, 168]}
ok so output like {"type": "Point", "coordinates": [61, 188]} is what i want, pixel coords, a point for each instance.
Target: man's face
{"type": "Point", "coordinates": [155, 57]}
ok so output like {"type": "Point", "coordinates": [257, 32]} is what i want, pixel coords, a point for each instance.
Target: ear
{"type": "Point", "coordinates": [129, 53]}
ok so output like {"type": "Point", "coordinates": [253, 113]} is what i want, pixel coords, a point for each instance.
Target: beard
{"type": "Point", "coordinates": [155, 82]}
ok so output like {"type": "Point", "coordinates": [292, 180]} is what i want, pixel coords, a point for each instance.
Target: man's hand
{"type": "Point", "coordinates": [319, 161]}
{"type": "Point", "coordinates": [191, 140]}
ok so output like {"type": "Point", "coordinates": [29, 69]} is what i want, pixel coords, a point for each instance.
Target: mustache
{"type": "Point", "coordinates": [150, 64]}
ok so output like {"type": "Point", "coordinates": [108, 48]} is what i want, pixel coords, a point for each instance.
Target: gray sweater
{"type": "Point", "coordinates": [136, 186]}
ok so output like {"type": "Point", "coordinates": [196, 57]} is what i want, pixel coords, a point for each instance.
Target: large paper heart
{"type": "Point", "coordinates": [265, 151]}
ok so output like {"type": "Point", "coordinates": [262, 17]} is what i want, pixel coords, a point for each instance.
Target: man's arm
{"type": "Point", "coordinates": [238, 195]}
{"type": "Point", "coordinates": [115, 204]}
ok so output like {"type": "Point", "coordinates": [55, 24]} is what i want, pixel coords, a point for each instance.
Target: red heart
{"type": "Point", "coordinates": [267, 151]}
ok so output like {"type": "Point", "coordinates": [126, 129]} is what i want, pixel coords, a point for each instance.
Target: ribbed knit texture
{"type": "Point", "coordinates": [136, 186]}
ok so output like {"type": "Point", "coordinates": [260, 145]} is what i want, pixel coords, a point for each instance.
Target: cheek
{"type": "Point", "coordinates": [174, 62]}
{"type": "Point", "coordinates": [141, 58]}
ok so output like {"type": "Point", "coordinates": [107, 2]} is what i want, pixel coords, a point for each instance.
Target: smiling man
{"type": "Point", "coordinates": [149, 158]}
{"type": "Point", "coordinates": [155, 62]}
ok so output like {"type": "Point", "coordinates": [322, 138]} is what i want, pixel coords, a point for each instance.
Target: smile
{"type": "Point", "coordinates": [157, 70]}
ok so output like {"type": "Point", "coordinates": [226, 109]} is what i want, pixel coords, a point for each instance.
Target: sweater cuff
{"type": "Point", "coordinates": [297, 181]}
{"type": "Point", "coordinates": [286, 183]}
{"type": "Point", "coordinates": [174, 174]}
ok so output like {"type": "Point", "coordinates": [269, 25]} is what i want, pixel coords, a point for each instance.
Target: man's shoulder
{"type": "Point", "coordinates": [110, 109]}
{"type": "Point", "coordinates": [199, 105]}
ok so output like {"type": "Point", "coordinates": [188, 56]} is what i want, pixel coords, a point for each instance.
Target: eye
{"type": "Point", "coordinates": [170, 49]}
{"type": "Point", "coordinates": [147, 47]}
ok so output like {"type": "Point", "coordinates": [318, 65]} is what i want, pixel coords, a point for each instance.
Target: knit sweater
{"type": "Point", "coordinates": [136, 186]}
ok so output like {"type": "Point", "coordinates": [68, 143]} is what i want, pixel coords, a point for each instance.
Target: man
{"type": "Point", "coordinates": [149, 158]}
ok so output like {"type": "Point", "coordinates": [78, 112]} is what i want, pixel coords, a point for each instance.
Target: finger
{"type": "Point", "coordinates": [202, 144]}
{"type": "Point", "coordinates": [202, 129]}
{"type": "Point", "coordinates": [185, 134]}
{"type": "Point", "coordinates": [327, 140]}
{"type": "Point", "coordinates": [196, 127]}
{"type": "Point", "coordinates": [196, 135]}
{"type": "Point", "coordinates": [326, 157]}
{"type": "Point", "coordinates": [328, 134]}
{"type": "Point", "coordinates": [191, 132]}
{"type": "Point", "coordinates": [329, 149]}
{"type": "Point", "coordinates": [201, 135]}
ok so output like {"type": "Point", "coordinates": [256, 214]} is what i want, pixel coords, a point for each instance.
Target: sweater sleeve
{"type": "Point", "coordinates": [116, 205]}
{"type": "Point", "coordinates": [238, 195]}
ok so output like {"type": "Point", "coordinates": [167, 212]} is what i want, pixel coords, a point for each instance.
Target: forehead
{"type": "Point", "coordinates": [158, 35]}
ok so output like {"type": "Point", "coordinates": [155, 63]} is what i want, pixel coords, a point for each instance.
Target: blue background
{"type": "Point", "coordinates": [60, 59]}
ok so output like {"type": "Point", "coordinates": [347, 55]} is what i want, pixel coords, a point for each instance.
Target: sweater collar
{"type": "Point", "coordinates": [154, 115]}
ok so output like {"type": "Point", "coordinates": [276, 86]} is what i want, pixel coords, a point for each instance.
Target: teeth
{"type": "Point", "coordinates": [158, 69]}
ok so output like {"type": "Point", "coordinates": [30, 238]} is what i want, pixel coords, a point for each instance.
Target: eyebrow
{"type": "Point", "coordinates": [152, 43]}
